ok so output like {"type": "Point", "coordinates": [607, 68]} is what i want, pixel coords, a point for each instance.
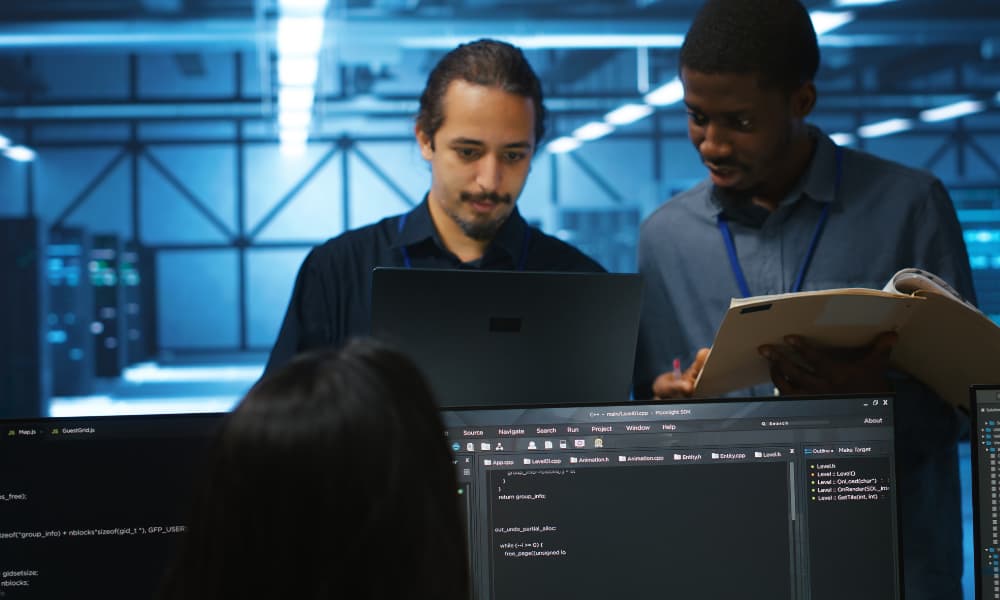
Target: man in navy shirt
{"type": "Point", "coordinates": [480, 122]}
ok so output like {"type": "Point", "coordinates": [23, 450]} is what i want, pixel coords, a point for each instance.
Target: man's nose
{"type": "Point", "coordinates": [716, 142]}
{"type": "Point", "coordinates": [489, 173]}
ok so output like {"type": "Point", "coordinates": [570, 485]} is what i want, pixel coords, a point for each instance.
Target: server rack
{"type": "Point", "coordinates": [25, 368]}
{"type": "Point", "coordinates": [71, 310]}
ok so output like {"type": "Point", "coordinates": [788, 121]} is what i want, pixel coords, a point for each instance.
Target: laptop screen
{"type": "Point", "coordinates": [92, 507]}
{"type": "Point", "coordinates": [985, 408]}
{"type": "Point", "coordinates": [505, 337]}
{"type": "Point", "coordinates": [782, 498]}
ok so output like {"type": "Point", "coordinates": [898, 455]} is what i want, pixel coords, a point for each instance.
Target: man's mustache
{"type": "Point", "coordinates": [486, 197]}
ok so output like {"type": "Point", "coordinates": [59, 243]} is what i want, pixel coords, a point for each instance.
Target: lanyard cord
{"type": "Point", "coordinates": [522, 261]}
{"type": "Point", "coordinates": [734, 261]}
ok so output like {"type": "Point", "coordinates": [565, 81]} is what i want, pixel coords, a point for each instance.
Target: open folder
{"type": "Point", "coordinates": [944, 341]}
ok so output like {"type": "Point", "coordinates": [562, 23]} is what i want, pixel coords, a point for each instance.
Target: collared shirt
{"type": "Point", "coordinates": [884, 217]}
{"type": "Point", "coordinates": [331, 300]}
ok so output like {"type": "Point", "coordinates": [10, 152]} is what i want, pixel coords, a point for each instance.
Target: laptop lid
{"type": "Point", "coordinates": [93, 507]}
{"type": "Point", "coordinates": [777, 498]}
{"type": "Point", "coordinates": [492, 338]}
{"type": "Point", "coordinates": [984, 404]}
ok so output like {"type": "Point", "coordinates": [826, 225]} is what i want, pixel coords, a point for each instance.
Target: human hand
{"type": "Point", "coordinates": [803, 368]}
{"type": "Point", "coordinates": [672, 385]}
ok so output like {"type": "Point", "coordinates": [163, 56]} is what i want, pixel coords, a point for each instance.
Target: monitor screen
{"type": "Point", "coordinates": [780, 498]}
{"type": "Point", "coordinates": [985, 405]}
{"type": "Point", "coordinates": [92, 507]}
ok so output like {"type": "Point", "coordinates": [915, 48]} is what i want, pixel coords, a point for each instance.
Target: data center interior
{"type": "Point", "coordinates": [167, 164]}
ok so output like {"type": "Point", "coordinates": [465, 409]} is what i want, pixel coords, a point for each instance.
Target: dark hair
{"type": "Point", "coordinates": [331, 479]}
{"type": "Point", "coordinates": [483, 62]}
{"type": "Point", "coordinates": [774, 39]}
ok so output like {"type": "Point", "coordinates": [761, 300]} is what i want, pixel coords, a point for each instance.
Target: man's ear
{"type": "Point", "coordinates": [426, 143]}
{"type": "Point", "coordinates": [804, 100]}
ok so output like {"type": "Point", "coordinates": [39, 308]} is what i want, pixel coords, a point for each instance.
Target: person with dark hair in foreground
{"type": "Point", "coordinates": [331, 479]}
{"type": "Point", "coordinates": [785, 209]}
{"type": "Point", "coordinates": [480, 122]}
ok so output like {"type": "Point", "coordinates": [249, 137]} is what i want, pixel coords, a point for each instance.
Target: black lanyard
{"type": "Point", "coordinates": [522, 261]}
{"type": "Point", "coordinates": [734, 261]}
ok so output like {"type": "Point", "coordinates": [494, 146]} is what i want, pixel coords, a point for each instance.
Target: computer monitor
{"type": "Point", "coordinates": [93, 507]}
{"type": "Point", "coordinates": [505, 337]}
{"type": "Point", "coordinates": [984, 404]}
{"type": "Point", "coordinates": [777, 498]}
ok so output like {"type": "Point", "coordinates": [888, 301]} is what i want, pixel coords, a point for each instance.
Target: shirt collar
{"type": "Point", "coordinates": [820, 179]}
{"type": "Point", "coordinates": [419, 228]}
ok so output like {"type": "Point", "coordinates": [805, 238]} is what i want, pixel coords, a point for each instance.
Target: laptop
{"type": "Point", "coordinates": [94, 506]}
{"type": "Point", "coordinates": [505, 337]}
{"type": "Point", "coordinates": [984, 404]}
{"type": "Point", "coordinates": [779, 498]}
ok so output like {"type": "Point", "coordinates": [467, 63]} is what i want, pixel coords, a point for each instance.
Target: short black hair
{"type": "Point", "coordinates": [331, 479]}
{"type": "Point", "coordinates": [483, 62]}
{"type": "Point", "coordinates": [773, 39]}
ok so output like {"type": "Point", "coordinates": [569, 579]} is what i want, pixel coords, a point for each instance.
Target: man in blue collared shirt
{"type": "Point", "coordinates": [784, 209]}
{"type": "Point", "coordinates": [480, 121]}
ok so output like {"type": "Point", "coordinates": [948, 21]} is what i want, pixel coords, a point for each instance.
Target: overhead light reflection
{"type": "Point", "coordinates": [629, 113]}
{"type": "Point", "coordinates": [825, 22]}
{"type": "Point", "coordinates": [300, 36]}
{"type": "Point", "coordinates": [20, 153]}
{"type": "Point", "coordinates": [952, 111]}
{"type": "Point", "coordinates": [563, 145]}
{"type": "Point", "coordinates": [886, 127]}
{"type": "Point", "coordinates": [843, 138]}
{"type": "Point", "coordinates": [592, 131]}
{"type": "Point", "coordinates": [669, 93]}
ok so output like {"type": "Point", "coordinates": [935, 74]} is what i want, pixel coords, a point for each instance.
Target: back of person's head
{"type": "Point", "coordinates": [331, 479]}
{"type": "Point", "coordinates": [484, 62]}
{"type": "Point", "coordinates": [773, 39]}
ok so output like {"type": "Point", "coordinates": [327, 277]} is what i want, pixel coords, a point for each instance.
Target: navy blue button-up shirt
{"type": "Point", "coordinates": [331, 301]}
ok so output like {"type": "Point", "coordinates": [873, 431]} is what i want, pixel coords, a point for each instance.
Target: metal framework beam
{"type": "Point", "coordinates": [381, 35]}
{"type": "Point", "coordinates": [252, 109]}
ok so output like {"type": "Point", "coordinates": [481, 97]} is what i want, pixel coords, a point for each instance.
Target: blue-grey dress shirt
{"type": "Point", "coordinates": [883, 217]}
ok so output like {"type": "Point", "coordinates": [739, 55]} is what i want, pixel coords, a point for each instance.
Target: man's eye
{"type": "Point", "coordinates": [744, 123]}
{"type": "Point", "coordinates": [697, 118]}
{"type": "Point", "coordinates": [467, 153]}
{"type": "Point", "coordinates": [513, 157]}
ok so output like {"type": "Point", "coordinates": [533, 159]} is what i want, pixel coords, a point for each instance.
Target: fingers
{"type": "Point", "coordinates": [807, 368]}
{"type": "Point", "coordinates": [882, 345]}
{"type": "Point", "coordinates": [788, 374]}
{"type": "Point", "coordinates": [781, 382]}
{"type": "Point", "coordinates": [699, 363]}
{"type": "Point", "coordinates": [668, 386]}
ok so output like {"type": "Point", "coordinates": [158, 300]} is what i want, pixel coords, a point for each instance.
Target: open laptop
{"type": "Point", "coordinates": [504, 337]}
{"type": "Point", "coordinates": [984, 404]}
{"type": "Point", "coordinates": [93, 507]}
{"type": "Point", "coordinates": [778, 499]}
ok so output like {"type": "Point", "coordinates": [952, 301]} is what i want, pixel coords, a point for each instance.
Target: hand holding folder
{"type": "Point", "coordinates": [944, 341]}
